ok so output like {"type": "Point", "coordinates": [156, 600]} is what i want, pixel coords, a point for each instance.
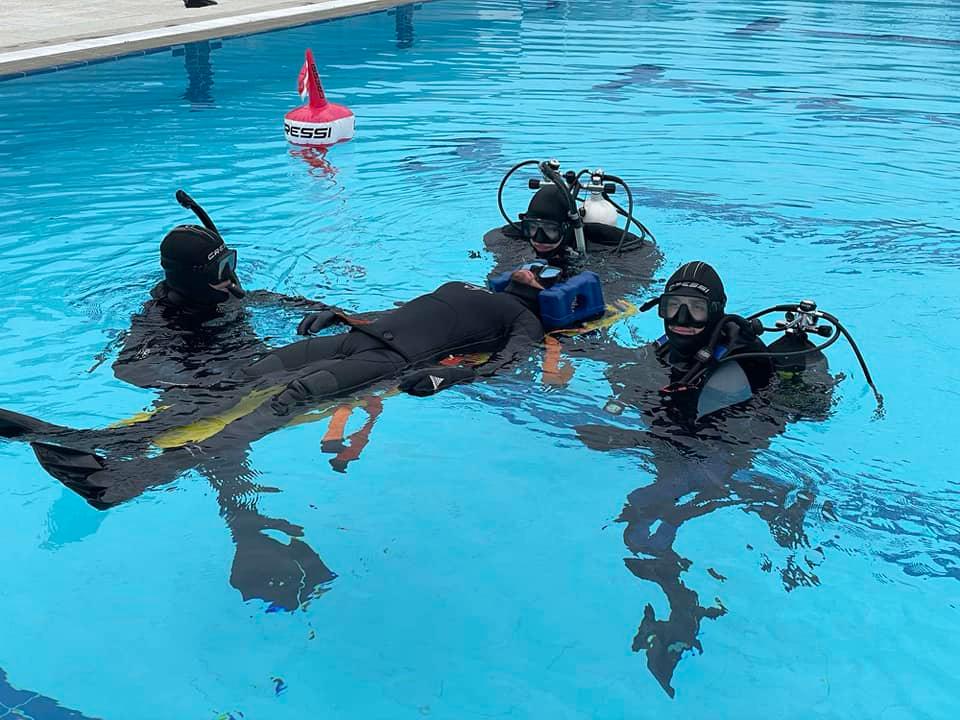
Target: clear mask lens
{"type": "Point", "coordinates": [545, 232]}
{"type": "Point", "coordinates": [698, 308]}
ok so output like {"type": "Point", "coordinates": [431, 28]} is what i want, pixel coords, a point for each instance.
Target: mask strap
{"type": "Point", "coordinates": [651, 303]}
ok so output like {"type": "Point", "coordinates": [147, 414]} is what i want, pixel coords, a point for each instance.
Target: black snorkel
{"type": "Point", "coordinates": [233, 287]}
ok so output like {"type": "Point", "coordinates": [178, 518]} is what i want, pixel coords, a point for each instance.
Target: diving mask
{"type": "Point", "coordinates": [698, 308]}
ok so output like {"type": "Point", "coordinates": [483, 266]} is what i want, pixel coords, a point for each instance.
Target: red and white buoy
{"type": "Point", "coordinates": [319, 123]}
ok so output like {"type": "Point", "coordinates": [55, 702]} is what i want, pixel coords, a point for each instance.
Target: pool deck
{"type": "Point", "coordinates": [37, 35]}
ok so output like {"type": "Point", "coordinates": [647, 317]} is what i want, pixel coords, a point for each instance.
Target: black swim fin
{"type": "Point", "coordinates": [15, 425]}
{"type": "Point", "coordinates": [77, 469]}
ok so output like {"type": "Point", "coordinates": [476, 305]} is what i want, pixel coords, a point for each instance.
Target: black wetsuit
{"type": "Point", "coordinates": [622, 275]}
{"type": "Point", "coordinates": [113, 465]}
{"type": "Point", "coordinates": [718, 386]}
{"type": "Point", "coordinates": [455, 319]}
{"type": "Point", "coordinates": [171, 344]}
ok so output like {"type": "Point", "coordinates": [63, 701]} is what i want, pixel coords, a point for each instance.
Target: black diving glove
{"type": "Point", "coordinates": [433, 380]}
{"type": "Point", "coordinates": [314, 322]}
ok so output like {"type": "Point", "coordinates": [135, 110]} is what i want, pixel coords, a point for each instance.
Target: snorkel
{"type": "Point", "coordinates": [221, 265]}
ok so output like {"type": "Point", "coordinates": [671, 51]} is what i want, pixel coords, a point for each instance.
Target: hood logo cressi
{"type": "Point", "coordinates": [687, 284]}
{"type": "Point", "coordinates": [216, 252]}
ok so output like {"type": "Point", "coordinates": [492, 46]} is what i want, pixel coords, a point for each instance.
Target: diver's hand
{"type": "Point", "coordinates": [314, 322]}
{"type": "Point", "coordinates": [433, 380]}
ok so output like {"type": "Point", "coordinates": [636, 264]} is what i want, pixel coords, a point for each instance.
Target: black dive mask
{"type": "Point", "coordinates": [686, 321]}
{"type": "Point", "coordinates": [546, 236]}
{"type": "Point", "coordinates": [213, 282]}
{"type": "Point", "coordinates": [684, 309]}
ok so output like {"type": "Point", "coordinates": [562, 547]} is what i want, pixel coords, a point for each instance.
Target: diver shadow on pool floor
{"type": "Point", "coordinates": [698, 470]}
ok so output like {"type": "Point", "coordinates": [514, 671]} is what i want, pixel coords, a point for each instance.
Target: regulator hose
{"type": "Point", "coordinates": [503, 184]}
{"type": "Point", "coordinates": [839, 330]}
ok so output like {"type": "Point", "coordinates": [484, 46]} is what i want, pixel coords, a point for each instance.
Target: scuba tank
{"type": "Point", "coordinates": [793, 355]}
{"type": "Point", "coordinates": [596, 208]}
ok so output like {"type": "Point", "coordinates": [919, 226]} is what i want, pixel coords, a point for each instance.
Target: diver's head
{"type": "Point", "coordinates": [691, 306]}
{"type": "Point", "coordinates": [546, 224]}
{"type": "Point", "coordinates": [527, 282]}
{"type": "Point", "coordinates": [199, 266]}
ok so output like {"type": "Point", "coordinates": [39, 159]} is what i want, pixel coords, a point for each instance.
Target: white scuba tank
{"type": "Point", "coordinates": [597, 209]}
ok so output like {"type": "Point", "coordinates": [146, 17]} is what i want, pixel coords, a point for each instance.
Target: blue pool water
{"type": "Point", "coordinates": [475, 568]}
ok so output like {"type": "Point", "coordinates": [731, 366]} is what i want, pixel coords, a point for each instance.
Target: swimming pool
{"type": "Point", "coordinates": [475, 568]}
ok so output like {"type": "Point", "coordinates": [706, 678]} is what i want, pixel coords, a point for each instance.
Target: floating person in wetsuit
{"type": "Point", "coordinates": [708, 400]}
{"type": "Point", "coordinates": [209, 428]}
{"type": "Point", "coordinates": [192, 334]}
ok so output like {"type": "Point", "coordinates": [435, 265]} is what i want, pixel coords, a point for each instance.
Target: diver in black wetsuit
{"type": "Point", "coordinates": [624, 260]}
{"type": "Point", "coordinates": [194, 333]}
{"type": "Point", "coordinates": [698, 335]}
{"type": "Point", "coordinates": [705, 415]}
{"type": "Point", "coordinates": [195, 329]}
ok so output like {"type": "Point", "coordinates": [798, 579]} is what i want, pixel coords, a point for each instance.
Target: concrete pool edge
{"type": "Point", "coordinates": [45, 57]}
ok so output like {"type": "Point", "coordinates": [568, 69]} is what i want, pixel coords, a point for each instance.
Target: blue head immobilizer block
{"type": "Point", "coordinates": [566, 304]}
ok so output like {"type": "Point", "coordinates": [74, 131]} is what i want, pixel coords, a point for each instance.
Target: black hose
{"type": "Point", "coordinates": [644, 230]}
{"type": "Point", "coordinates": [191, 204]}
{"type": "Point", "coordinates": [791, 353]}
{"type": "Point", "coordinates": [503, 183]}
{"type": "Point", "coordinates": [645, 233]}
{"type": "Point", "coordinates": [700, 368]}
{"type": "Point", "coordinates": [863, 363]}
{"type": "Point", "coordinates": [773, 309]}
{"type": "Point", "coordinates": [629, 214]}
{"type": "Point", "coordinates": [556, 178]}
{"type": "Point", "coordinates": [838, 330]}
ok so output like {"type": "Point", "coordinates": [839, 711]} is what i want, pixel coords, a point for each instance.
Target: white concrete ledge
{"type": "Point", "coordinates": [175, 28]}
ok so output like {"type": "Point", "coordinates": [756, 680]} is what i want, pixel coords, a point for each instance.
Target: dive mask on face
{"type": "Point", "coordinates": [226, 267]}
{"type": "Point", "coordinates": [543, 234]}
{"type": "Point", "coordinates": [210, 281]}
{"type": "Point", "coordinates": [698, 308]}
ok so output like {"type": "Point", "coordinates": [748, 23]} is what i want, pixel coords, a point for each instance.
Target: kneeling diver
{"type": "Point", "coordinates": [708, 396]}
{"type": "Point", "coordinates": [571, 223]}
{"type": "Point", "coordinates": [195, 329]}
{"type": "Point", "coordinates": [192, 334]}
